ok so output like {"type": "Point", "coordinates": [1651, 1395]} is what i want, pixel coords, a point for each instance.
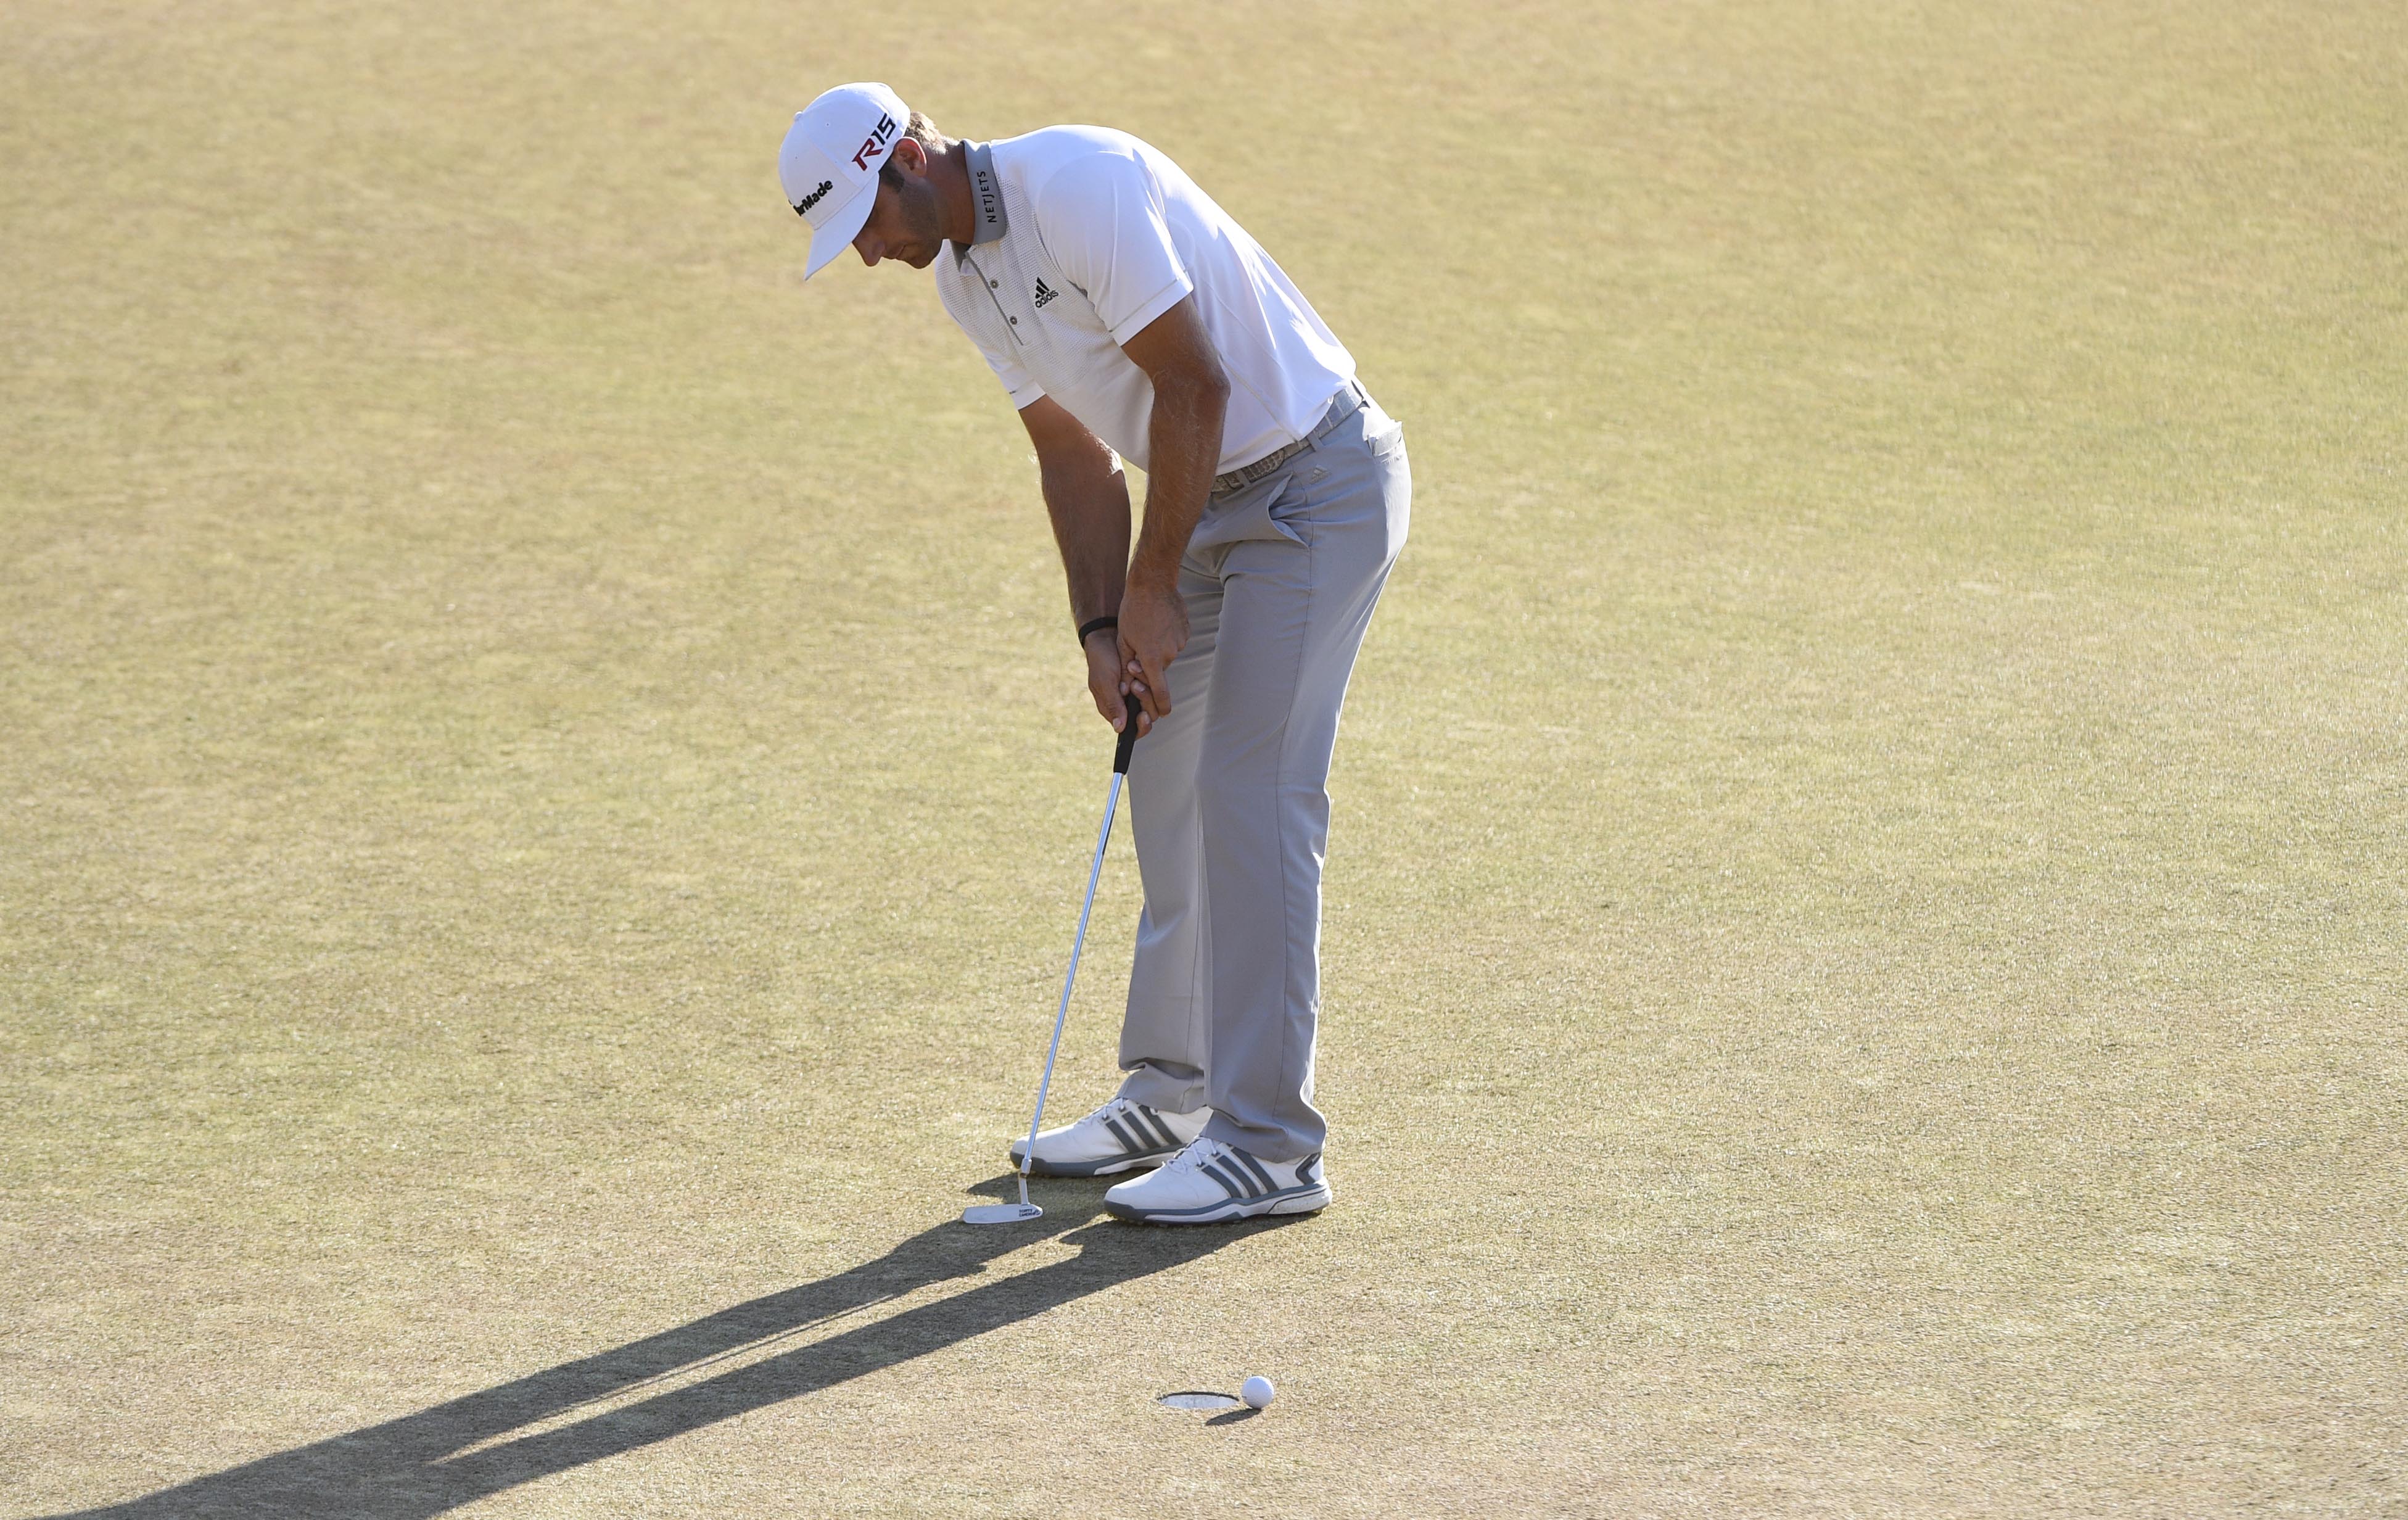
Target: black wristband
{"type": "Point", "coordinates": [1095, 625]}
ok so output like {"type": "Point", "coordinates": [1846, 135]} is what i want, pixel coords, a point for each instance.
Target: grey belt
{"type": "Point", "coordinates": [1346, 404]}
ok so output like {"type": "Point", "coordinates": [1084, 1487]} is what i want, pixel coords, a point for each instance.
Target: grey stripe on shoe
{"type": "Point", "coordinates": [1257, 1167]}
{"type": "Point", "coordinates": [1228, 1183]}
{"type": "Point", "coordinates": [1155, 1119]}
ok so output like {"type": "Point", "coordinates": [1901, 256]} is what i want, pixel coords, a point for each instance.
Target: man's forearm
{"type": "Point", "coordinates": [1183, 437]}
{"type": "Point", "coordinates": [1088, 501]}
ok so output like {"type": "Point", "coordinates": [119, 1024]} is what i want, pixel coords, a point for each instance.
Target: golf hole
{"type": "Point", "coordinates": [1198, 1401]}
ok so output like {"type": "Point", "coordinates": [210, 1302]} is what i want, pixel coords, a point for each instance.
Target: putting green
{"type": "Point", "coordinates": [546, 791]}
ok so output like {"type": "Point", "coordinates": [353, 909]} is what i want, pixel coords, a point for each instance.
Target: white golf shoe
{"type": "Point", "coordinates": [1211, 1184]}
{"type": "Point", "coordinates": [1120, 1135]}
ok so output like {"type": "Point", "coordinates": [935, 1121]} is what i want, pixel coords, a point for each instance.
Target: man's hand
{"type": "Point", "coordinates": [1105, 679]}
{"type": "Point", "coordinates": [1152, 631]}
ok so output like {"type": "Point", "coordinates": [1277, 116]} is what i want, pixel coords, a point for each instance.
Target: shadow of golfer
{"type": "Point", "coordinates": [664, 1385]}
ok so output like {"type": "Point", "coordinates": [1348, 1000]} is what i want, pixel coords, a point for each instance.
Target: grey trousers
{"type": "Point", "coordinates": [1228, 796]}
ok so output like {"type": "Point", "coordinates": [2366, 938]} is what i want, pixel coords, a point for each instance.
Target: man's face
{"type": "Point", "coordinates": [903, 220]}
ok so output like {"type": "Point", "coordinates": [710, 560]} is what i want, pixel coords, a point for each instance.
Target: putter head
{"type": "Point", "coordinates": [1001, 1213]}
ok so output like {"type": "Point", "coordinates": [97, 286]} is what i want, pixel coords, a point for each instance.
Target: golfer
{"type": "Point", "coordinates": [1129, 317]}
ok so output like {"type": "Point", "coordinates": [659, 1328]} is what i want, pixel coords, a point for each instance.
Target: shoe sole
{"type": "Point", "coordinates": [1293, 1201]}
{"type": "Point", "coordinates": [1093, 1168]}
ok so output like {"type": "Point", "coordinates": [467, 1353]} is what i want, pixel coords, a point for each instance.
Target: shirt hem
{"type": "Point", "coordinates": [1156, 305]}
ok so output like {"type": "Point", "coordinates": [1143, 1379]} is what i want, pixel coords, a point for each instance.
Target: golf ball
{"type": "Point", "coordinates": [1259, 1393]}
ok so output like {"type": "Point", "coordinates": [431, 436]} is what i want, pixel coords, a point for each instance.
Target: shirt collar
{"type": "Point", "coordinates": [987, 221]}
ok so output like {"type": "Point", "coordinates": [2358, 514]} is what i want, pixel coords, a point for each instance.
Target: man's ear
{"type": "Point", "coordinates": [910, 157]}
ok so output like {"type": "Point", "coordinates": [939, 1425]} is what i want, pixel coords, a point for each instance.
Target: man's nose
{"type": "Point", "coordinates": [870, 250]}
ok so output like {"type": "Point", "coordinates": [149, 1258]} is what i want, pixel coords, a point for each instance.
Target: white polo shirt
{"type": "Point", "coordinates": [1084, 236]}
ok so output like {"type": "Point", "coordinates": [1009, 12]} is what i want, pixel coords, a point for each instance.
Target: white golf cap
{"type": "Point", "coordinates": [829, 165]}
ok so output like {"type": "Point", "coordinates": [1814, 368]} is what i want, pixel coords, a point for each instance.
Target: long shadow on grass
{"type": "Point", "coordinates": [664, 1385]}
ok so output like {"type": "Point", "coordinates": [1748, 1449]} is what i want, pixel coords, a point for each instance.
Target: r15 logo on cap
{"type": "Point", "coordinates": [874, 145]}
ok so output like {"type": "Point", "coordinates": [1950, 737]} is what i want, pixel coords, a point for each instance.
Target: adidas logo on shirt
{"type": "Point", "coordinates": [1045, 292]}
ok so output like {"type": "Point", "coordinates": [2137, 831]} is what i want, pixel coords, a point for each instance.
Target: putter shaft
{"type": "Point", "coordinates": [1070, 978]}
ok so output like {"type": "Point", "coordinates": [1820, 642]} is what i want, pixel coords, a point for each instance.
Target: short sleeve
{"type": "Point", "coordinates": [1017, 380]}
{"type": "Point", "coordinates": [1100, 216]}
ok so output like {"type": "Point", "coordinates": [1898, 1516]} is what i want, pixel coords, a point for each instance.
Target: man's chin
{"type": "Point", "coordinates": [920, 258]}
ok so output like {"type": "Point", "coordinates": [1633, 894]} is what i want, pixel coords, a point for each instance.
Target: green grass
{"type": "Point", "coordinates": [545, 785]}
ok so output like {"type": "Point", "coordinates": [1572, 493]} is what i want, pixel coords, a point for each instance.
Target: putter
{"type": "Point", "coordinates": [1014, 1213]}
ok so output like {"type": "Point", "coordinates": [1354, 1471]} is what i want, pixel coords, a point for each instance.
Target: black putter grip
{"type": "Point", "coordinates": [1128, 739]}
